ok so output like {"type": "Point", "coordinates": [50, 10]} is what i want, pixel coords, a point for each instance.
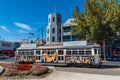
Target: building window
{"type": "Point", "coordinates": [47, 39]}
{"type": "Point", "coordinates": [47, 30]}
{"type": "Point", "coordinates": [67, 29]}
{"type": "Point", "coordinates": [53, 19]}
{"type": "Point", "coordinates": [58, 19]}
{"type": "Point", "coordinates": [49, 19]}
{"type": "Point", "coordinates": [66, 38]}
{"type": "Point", "coordinates": [60, 31]}
{"type": "Point", "coordinates": [60, 38]}
{"type": "Point", "coordinates": [53, 39]}
{"type": "Point", "coordinates": [53, 30]}
{"type": "Point", "coordinates": [74, 37]}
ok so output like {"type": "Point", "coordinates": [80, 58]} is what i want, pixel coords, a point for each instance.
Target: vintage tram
{"type": "Point", "coordinates": [60, 55]}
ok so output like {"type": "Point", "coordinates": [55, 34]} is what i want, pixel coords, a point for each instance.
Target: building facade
{"type": "Point", "coordinates": [8, 48]}
{"type": "Point", "coordinates": [67, 31]}
{"type": "Point", "coordinates": [57, 32]}
{"type": "Point", "coordinates": [53, 33]}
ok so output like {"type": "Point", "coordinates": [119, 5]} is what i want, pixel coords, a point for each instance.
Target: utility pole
{"type": "Point", "coordinates": [42, 32]}
{"type": "Point", "coordinates": [42, 35]}
{"type": "Point", "coordinates": [38, 34]}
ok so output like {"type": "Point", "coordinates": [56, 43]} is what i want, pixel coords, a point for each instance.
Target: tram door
{"type": "Point", "coordinates": [61, 55]}
{"type": "Point", "coordinates": [96, 55]}
{"type": "Point", "coordinates": [38, 55]}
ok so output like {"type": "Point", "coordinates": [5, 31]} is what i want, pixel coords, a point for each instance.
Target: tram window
{"type": "Point", "coordinates": [95, 51]}
{"type": "Point", "coordinates": [74, 52]}
{"type": "Point", "coordinates": [19, 53]}
{"type": "Point", "coordinates": [52, 51]}
{"type": "Point", "coordinates": [60, 52]}
{"type": "Point", "coordinates": [81, 52]}
{"type": "Point", "coordinates": [58, 57]}
{"type": "Point", "coordinates": [99, 51]}
{"type": "Point", "coordinates": [37, 57]}
{"type": "Point", "coordinates": [48, 52]}
{"type": "Point", "coordinates": [62, 58]}
{"type": "Point", "coordinates": [31, 53]}
{"type": "Point", "coordinates": [88, 53]}
{"type": "Point", "coordinates": [88, 49]}
{"type": "Point", "coordinates": [118, 52]}
{"type": "Point", "coordinates": [38, 52]}
{"type": "Point", "coordinates": [68, 52]}
{"type": "Point", "coordinates": [23, 53]}
{"type": "Point", "coordinates": [27, 53]}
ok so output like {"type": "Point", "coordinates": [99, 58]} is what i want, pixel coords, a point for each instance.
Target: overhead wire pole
{"type": "Point", "coordinates": [41, 31]}
{"type": "Point", "coordinates": [42, 35]}
{"type": "Point", "coordinates": [38, 34]}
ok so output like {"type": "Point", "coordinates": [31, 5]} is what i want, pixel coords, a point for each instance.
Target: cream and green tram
{"type": "Point", "coordinates": [61, 55]}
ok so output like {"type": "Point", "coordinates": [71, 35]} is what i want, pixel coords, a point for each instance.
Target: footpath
{"type": "Point", "coordinates": [60, 75]}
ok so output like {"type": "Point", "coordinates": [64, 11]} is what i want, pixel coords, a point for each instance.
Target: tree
{"type": "Point", "coordinates": [76, 12]}
{"type": "Point", "coordinates": [99, 22]}
{"type": "Point", "coordinates": [101, 17]}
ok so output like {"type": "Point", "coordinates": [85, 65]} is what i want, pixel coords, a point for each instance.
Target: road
{"type": "Point", "coordinates": [12, 59]}
{"type": "Point", "coordinates": [102, 71]}
{"type": "Point", "coordinates": [108, 68]}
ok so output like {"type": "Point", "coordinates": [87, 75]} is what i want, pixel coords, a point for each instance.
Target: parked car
{"type": "Point", "coordinates": [3, 56]}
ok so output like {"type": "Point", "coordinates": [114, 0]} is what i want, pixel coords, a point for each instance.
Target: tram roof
{"type": "Point", "coordinates": [26, 48]}
{"type": "Point", "coordinates": [61, 47]}
{"type": "Point", "coordinates": [54, 47]}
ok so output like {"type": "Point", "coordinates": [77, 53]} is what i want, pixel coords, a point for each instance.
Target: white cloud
{"type": "Point", "coordinates": [23, 26]}
{"type": "Point", "coordinates": [4, 28]}
{"type": "Point", "coordinates": [22, 31]}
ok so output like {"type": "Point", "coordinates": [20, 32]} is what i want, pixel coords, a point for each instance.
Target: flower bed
{"type": "Point", "coordinates": [15, 69]}
{"type": "Point", "coordinates": [38, 70]}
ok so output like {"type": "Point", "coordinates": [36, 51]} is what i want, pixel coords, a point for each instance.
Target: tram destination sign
{"type": "Point", "coordinates": [28, 46]}
{"type": "Point", "coordinates": [75, 43]}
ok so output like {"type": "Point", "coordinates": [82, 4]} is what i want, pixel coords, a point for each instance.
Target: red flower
{"type": "Point", "coordinates": [24, 66]}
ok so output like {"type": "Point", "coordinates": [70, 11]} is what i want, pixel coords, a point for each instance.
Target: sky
{"type": "Point", "coordinates": [18, 18]}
